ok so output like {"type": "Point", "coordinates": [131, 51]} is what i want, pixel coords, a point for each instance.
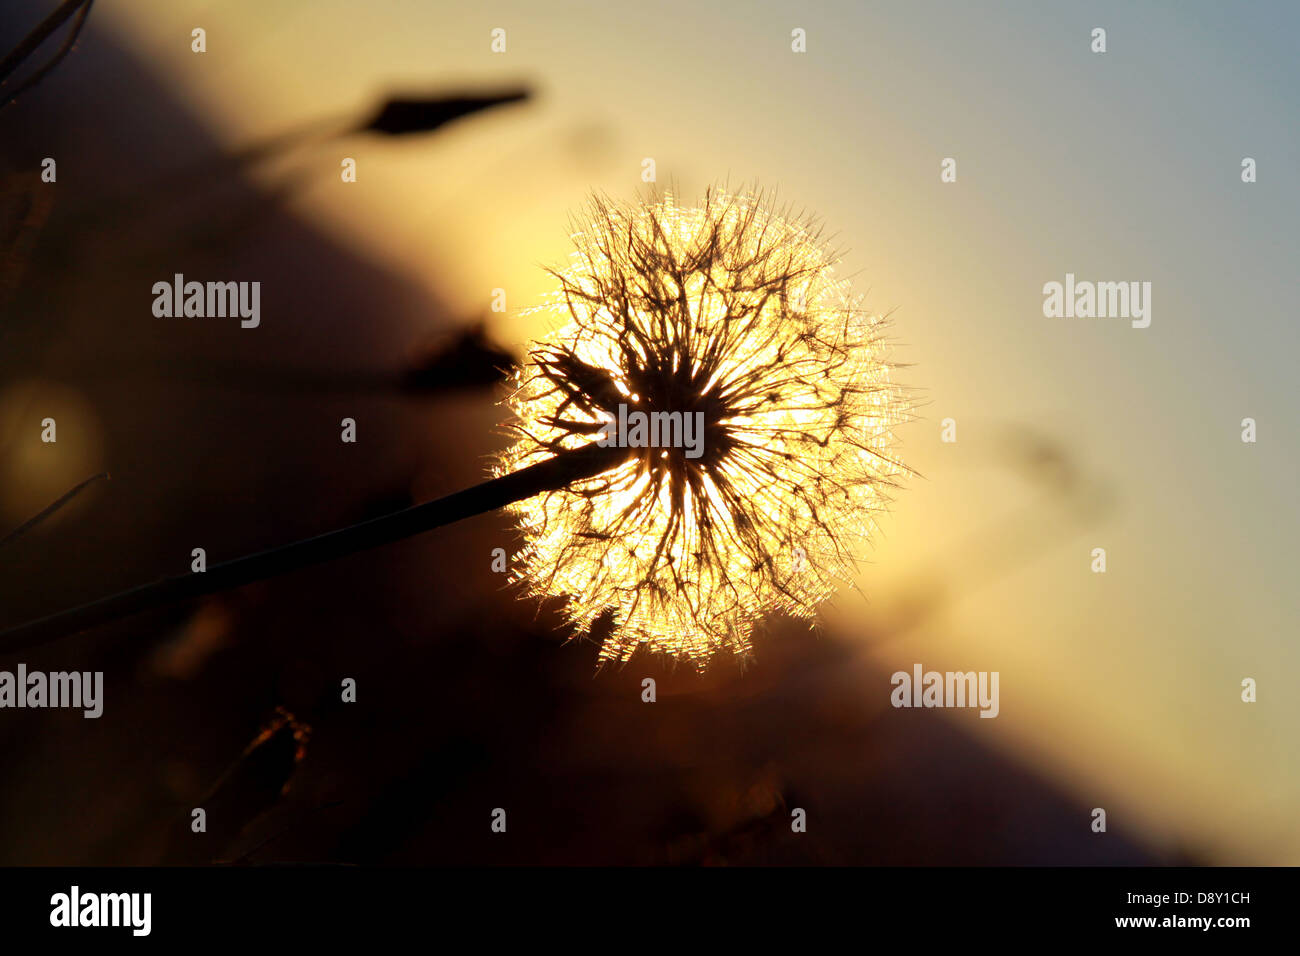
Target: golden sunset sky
{"type": "Point", "coordinates": [1125, 686]}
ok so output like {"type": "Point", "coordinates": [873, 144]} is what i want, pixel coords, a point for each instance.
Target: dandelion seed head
{"type": "Point", "coordinates": [732, 309]}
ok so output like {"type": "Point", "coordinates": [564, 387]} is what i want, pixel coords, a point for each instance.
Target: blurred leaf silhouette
{"type": "Point", "coordinates": [24, 208]}
{"type": "Point", "coordinates": [398, 116]}
{"type": "Point", "coordinates": [251, 785]}
{"type": "Point", "coordinates": [395, 116]}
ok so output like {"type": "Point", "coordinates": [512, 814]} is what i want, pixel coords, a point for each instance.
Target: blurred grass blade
{"type": "Point", "coordinates": [32, 42]}
{"type": "Point", "coordinates": [38, 518]}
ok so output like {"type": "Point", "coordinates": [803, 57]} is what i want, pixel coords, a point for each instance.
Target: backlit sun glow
{"type": "Point", "coordinates": [732, 309]}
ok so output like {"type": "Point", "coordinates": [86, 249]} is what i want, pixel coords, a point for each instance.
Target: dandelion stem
{"type": "Point", "coordinates": [549, 475]}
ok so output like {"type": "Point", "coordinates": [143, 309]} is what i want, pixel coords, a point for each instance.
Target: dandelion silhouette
{"type": "Point", "coordinates": [733, 311]}
{"type": "Point", "coordinates": [729, 312]}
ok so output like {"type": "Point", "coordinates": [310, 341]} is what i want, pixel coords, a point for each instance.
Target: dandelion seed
{"type": "Point", "coordinates": [733, 310]}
